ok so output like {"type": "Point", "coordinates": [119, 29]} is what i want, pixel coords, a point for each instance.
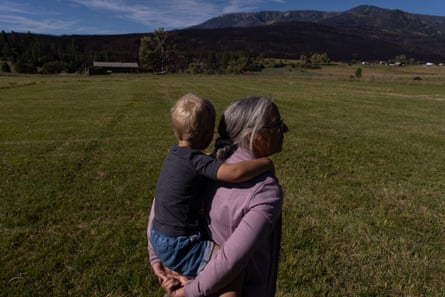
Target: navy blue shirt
{"type": "Point", "coordinates": [178, 191]}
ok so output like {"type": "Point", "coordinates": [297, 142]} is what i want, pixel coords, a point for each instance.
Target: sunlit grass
{"type": "Point", "coordinates": [363, 171]}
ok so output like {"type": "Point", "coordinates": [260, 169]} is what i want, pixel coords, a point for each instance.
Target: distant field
{"type": "Point", "coordinates": [363, 171]}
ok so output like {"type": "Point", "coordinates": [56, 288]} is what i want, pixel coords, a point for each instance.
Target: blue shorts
{"type": "Point", "coordinates": [187, 255]}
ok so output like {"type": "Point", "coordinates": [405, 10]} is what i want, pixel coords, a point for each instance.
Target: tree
{"type": "Point", "coordinates": [55, 67]}
{"type": "Point", "coordinates": [5, 67]}
{"type": "Point", "coordinates": [358, 72]}
{"type": "Point", "coordinates": [401, 59]}
{"type": "Point", "coordinates": [324, 59]}
{"type": "Point", "coordinates": [147, 54]}
{"type": "Point", "coordinates": [153, 50]}
{"type": "Point", "coordinates": [212, 63]}
{"type": "Point", "coordinates": [319, 59]}
{"type": "Point", "coordinates": [24, 66]}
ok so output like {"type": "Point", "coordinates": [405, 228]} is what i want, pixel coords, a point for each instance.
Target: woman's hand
{"type": "Point", "coordinates": [170, 281]}
{"type": "Point", "coordinates": [159, 271]}
{"type": "Point", "coordinates": [177, 293]}
{"type": "Point", "coordinates": [172, 285]}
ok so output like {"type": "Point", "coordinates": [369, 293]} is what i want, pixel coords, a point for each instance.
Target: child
{"type": "Point", "coordinates": [176, 234]}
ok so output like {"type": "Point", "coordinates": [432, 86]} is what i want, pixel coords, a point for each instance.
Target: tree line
{"type": "Point", "coordinates": [155, 52]}
{"type": "Point", "coordinates": [29, 53]}
{"type": "Point", "coordinates": [32, 53]}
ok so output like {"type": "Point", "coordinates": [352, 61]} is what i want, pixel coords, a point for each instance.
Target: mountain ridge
{"type": "Point", "coordinates": [386, 19]}
{"type": "Point", "coordinates": [292, 39]}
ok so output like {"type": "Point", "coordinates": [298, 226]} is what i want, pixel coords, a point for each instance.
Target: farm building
{"type": "Point", "coordinates": [110, 67]}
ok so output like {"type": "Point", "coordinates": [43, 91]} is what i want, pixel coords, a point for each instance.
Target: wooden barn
{"type": "Point", "coordinates": [100, 68]}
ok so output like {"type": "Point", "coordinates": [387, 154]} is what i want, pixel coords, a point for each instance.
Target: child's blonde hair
{"type": "Point", "coordinates": [192, 116]}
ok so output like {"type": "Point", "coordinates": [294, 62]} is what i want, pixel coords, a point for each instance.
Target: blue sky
{"type": "Point", "coordinates": [58, 17]}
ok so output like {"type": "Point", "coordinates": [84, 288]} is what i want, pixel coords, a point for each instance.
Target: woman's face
{"type": "Point", "coordinates": [269, 140]}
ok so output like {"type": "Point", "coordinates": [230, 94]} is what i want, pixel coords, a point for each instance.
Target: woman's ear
{"type": "Point", "coordinates": [260, 144]}
{"type": "Point", "coordinates": [248, 136]}
{"type": "Point", "coordinates": [255, 144]}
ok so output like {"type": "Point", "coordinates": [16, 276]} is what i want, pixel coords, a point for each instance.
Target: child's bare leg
{"type": "Point", "coordinates": [216, 248]}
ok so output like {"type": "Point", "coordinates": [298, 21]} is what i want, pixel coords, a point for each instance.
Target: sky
{"type": "Point", "coordinates": [88, 17]}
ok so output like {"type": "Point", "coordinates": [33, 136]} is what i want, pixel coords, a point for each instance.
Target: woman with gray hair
{"type": "Point", "coordinates": [244, 219]}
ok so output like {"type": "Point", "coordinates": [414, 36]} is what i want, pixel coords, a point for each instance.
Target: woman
{"type": "Point", "coordinates": [244, 219]}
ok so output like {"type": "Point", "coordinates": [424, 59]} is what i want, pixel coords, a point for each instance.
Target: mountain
{"type": "Point", "coordinates": [364, 16]}
{"type": "Point", "coordinates": [263, 18]}
{"type": "Point", "coordinates": [293, 39]}
{"type": "Point", "coordinates": [363, 32]}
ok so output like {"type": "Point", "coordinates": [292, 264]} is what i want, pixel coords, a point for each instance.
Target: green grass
{"type": "Point", "coordinates": [363, 171]}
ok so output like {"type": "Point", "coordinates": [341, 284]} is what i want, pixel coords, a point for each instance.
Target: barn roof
{"type": "Point", "coordinates": [116, 64]}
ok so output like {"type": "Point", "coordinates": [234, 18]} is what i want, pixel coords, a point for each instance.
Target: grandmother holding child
{"type": "Point", "coordinates": [234, 251]}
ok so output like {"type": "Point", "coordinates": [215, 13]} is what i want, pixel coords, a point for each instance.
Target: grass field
{"type": "Point", "coordinates": [363, 171]}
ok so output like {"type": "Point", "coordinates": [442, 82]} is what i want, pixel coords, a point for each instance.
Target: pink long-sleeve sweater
{"type": "Point", "coordinates": [245, 220]}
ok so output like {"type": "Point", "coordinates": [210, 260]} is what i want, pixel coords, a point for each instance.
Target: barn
{"type": "Point", "coordinates": [99, 68]}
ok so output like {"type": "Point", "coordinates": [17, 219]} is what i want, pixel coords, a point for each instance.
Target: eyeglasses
{"type": "Point", "coordinates": [280, 125]}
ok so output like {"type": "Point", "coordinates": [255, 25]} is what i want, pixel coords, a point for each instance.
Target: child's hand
{"type": "Point", "coordinates": [271, 165]}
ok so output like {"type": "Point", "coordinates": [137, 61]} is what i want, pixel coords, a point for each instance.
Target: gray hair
{"type": "Point", "coordinates": [239, 124]}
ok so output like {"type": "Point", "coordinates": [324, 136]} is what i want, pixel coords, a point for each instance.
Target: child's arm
{"type": "Point", "coordinates": [244, 170]}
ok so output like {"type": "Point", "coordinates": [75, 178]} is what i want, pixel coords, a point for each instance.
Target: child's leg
{"type": "Point", "coordinates": [216, 248]}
